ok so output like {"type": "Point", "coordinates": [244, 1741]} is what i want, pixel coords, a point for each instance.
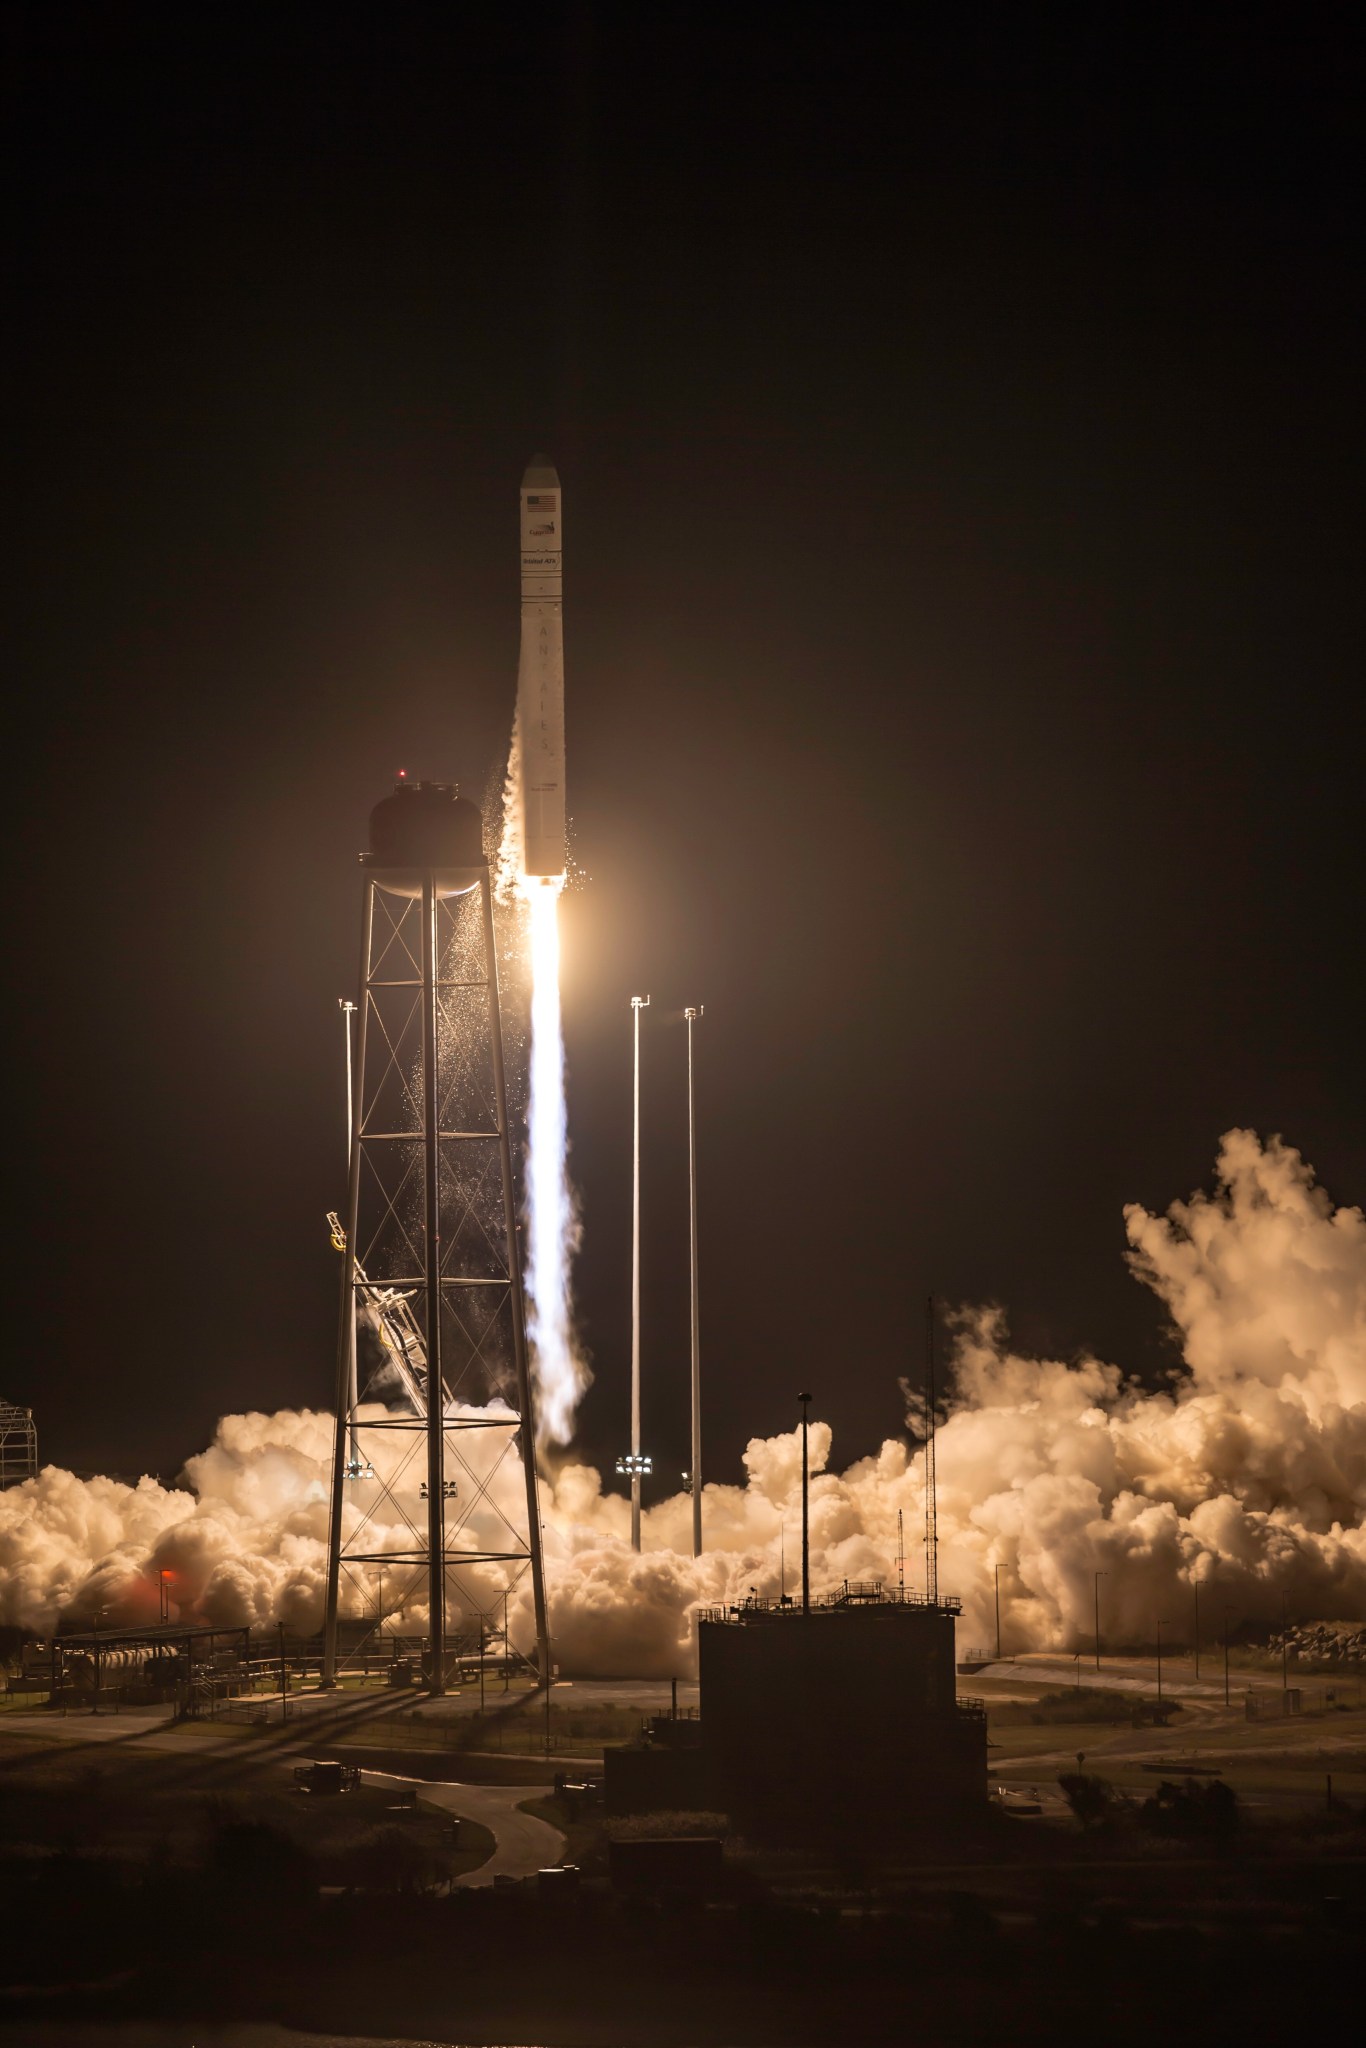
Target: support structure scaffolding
{"type": "Point", "coordinates": [433, 1403]}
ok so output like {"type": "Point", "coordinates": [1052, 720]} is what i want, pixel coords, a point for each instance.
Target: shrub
{"type": "Point", "coordinates": [1094, 1801]}
{"type": "Point", "coordinates": [1208, 1809]}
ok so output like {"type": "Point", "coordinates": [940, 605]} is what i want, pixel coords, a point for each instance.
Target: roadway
{"type": "Point", "coordinates": [523, 1843]}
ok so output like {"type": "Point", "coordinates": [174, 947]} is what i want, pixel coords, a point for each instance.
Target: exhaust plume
{"type": "Point", "coordinates": [560, 1373]}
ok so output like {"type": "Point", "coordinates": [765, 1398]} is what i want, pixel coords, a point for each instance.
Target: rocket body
{"type": "Point", "coordinates": [540, 676]}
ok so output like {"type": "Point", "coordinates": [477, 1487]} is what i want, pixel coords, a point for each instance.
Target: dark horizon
{"type": "Point", "coordinates": [960, 441]}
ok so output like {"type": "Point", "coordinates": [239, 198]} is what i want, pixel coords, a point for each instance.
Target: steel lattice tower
{"type": "Point", "coordinates": [425, 1486]}
{"type": "Point", "coordinates": [18, 1445]}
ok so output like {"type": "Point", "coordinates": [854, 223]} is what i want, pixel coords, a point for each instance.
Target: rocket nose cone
{"type": "Point", "coordinates": [540, 475]}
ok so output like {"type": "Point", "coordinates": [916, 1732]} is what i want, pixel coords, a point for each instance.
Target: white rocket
{"type": "Point", "coordinates": [540, 675]}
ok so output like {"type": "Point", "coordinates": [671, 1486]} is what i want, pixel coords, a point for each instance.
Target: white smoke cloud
{"type": "Point", "coordinates": [1245, 1474]}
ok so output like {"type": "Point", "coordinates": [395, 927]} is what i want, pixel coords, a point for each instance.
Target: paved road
{"type": "Point", "coordinates": [524, 1844]}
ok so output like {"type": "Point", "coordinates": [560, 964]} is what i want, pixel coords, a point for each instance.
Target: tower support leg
{"type": "Point", "coordinates": [514, 1263]}
{"type": "Point", "coordinates": [436, 1402]}
{"type": "Point", "coordinates": [346, 1317]}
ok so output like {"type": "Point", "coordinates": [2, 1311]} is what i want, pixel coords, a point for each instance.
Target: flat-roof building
{"type": "Point", "coordinates": [846, 1713]}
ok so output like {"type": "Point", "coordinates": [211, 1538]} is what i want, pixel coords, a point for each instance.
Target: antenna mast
{"type": "Point", "coordinates": [931, 1500]}
{"type": "Point", "coordinates": [900, 1557]}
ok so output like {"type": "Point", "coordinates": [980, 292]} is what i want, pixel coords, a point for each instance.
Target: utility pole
{"type": "Point", "coordinates": [1099, 1577]}
{"type": "Point", "coordinates": [692, 1016]}
{"type": "Point", "coordinates": [1159, 1659]}
{"type": "Point", "coordinates": [805, 1400]}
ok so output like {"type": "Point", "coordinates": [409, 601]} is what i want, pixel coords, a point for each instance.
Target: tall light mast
{"type": "Point", "coordinates": [931, 1476]}
{"type": "Point", "coordinates": [634, 1464]}
{"type": "Point", "coordinates": [355, 1468]}
{"type": "Point", "coordinates": [692, 1016]}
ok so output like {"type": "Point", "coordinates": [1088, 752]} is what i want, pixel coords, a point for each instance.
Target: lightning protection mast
{"type": "Point", "coordinates": [695, 1478]}
{"type": "Point", "coordinates": [931, 1477]}
{"type": "Point", "coordinates": [634, 1465]}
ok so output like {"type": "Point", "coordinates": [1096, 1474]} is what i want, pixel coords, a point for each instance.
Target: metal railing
{"type": "Point", "coordinates": [854, 1596]}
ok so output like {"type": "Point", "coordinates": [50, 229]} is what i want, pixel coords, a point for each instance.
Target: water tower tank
{"type": "Point", "coordinates": [426, 826]}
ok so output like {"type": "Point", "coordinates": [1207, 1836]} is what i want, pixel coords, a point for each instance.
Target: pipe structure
{"type": "Point", "coordinates": [805, 1400]}
{"type": "Point", "coordinates": [692, 1016]}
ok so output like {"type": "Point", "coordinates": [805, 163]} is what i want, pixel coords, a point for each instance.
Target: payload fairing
{"type": "Point", "coordinates": [540, 676]}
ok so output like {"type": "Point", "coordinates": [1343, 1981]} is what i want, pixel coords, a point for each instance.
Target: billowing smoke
{"type": "Point", "coordinates": [1246, 1475]}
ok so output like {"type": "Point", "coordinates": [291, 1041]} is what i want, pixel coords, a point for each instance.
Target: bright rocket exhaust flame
{"type": "Point", "coordinates": [551, 1222]}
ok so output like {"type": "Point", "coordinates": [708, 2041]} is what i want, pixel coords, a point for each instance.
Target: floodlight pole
{"type": "Point", "coordinates": [931, 1468]}
{"type": "Point", "coordinates": [1099, 1576]}
{"type": "Point", "coordinates": [692, 1016]}
{"type": "Point", "coordinates": [348, 1010]}
{"type": "Point", "coordinates": [1195, 1589]}
{"type": "Point", "coordinates": [1226, 1615]}
{"type": "Point", "coordinates": [805, 1400]}
{"type": "Point", "coordinates": [996, 1571]}
{"type": "Point", "coordinates": [638, 1003]}
{"type": "Point", "coordinates": [346, 1322]}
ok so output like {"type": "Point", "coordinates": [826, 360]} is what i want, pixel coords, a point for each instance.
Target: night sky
{"type": "Point", "coordinates": [961, 440]}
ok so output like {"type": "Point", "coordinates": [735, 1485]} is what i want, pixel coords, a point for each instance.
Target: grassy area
{"type": "Point", "coordinates": [184, 1814]}
{"type": "Point", "coordinates": [1073, 1704]}
{"type": "Point", "coordinates": [1281, 1766]}
{"type": "Point", "coordinates": [518, 1727]}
